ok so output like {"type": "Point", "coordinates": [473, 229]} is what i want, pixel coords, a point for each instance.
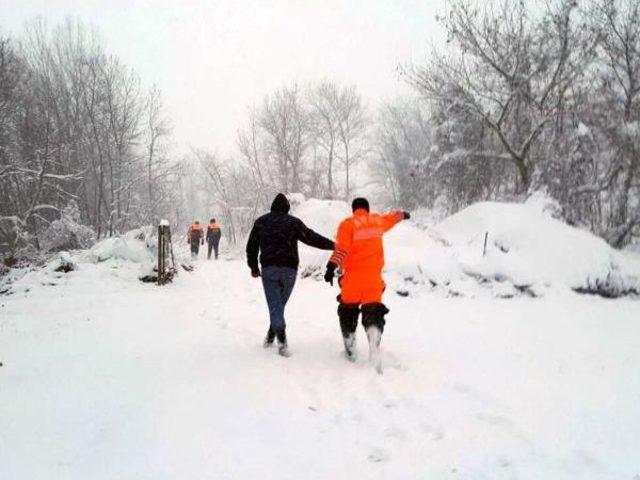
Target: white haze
{"type": "Point", "coordinates": [214, 59]}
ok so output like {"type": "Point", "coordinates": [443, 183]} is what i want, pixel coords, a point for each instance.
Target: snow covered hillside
{"type": "Point", "coordinates": [106, 377]}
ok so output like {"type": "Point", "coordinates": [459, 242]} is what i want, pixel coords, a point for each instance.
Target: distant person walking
{"type": "Point", "coordinates": [276, 235]}
{"type": "Point", "coordinates": [195, 237]}
{"type": "Point", "coordinates": [214, 233]}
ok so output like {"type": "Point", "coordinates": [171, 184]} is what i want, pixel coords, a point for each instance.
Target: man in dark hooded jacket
{"type": "Point", "coordinates": [276, 235]}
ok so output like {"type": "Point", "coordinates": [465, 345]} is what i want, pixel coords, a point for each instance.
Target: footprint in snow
{"type": "Point", "coordinates": [396, 433]}
{"type": "Point", "coordinates": [389, 360]}
{"type": "Point", "coordinates": [478, 396]}
{"type": "Point", "coordinates": [378, 455]}
{"type": "Point", "coordinates": [503, 422]}
{"type": "Point", "coordinates": [492, 419]}
{"type": "Point", "coordinates": [435, 433]}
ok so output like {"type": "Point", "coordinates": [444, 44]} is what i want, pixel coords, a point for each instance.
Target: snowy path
{"type": "Point", "coordinates": [108, 378]}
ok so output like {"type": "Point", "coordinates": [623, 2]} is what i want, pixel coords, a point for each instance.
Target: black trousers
{"type": "Point", "coordinates": [213, 243]}
{"type": "Point", "coordinates": [195, 247]}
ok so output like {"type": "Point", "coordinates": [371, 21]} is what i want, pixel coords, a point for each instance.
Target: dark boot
{"type": "Point", "coordinates": [373, 323]}
{"type": "Point", "coordinates": [373, 315]}
{"type": "Point", "coordinates": [268, 340]}
{"type": "Point", "coordinates": [348, 315]}
{"type": "Point", "coordinates": [283, 347]}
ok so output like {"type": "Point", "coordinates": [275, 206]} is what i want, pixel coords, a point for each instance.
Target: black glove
{"type": "Point", "coordinates": [255, 273]}
{"type": "Point", "coordinates": [406, 215]}
{"type": "Point", "coordinates": [330, 273]}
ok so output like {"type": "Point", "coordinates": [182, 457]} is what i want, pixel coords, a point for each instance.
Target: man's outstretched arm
{"type": "Point", "coordinates": [314, 239]}
{"type": "Point", "coordinates": [390, 220]}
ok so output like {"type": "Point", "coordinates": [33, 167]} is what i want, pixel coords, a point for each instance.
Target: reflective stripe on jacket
{"type": "Point", "coordinates": [359, 240]}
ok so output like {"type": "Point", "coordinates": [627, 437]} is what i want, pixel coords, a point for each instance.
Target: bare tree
{"type": "Point", "coordinates": [513, 69]}
{"type": "Point", "coordinates": [352, 128]}
{"type": "Point", "coordinates": [400, 161]}
{"type": "Point", "coordinates": [618, 24]}
{"type": "Point", "coordinates": [324, 100]}
{"type": "Point", "coordinates": [157, 130]}
{"type": "Point", "coordinates": [253, 152]}
{"type": "Point", "coordinates": [286, 124]}
{"type": "Point", "coordinates": [228, 193]}
{"type": "Point", "coordinates": [72, 120]}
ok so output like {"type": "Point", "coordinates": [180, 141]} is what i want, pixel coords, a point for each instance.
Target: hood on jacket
{"type": "Point", "coordinates": [280, 204]}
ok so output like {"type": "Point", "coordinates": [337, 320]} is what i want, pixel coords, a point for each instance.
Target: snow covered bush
{"type": "Point", "coordinates": [9, 229]}
{"type": "Point", "coordinates": [67, 233]}
{"type": "Point", "coordinates": [544, 203]}
{"type": "Point", "coordinates": [136, 246]}
{"type": "Point", "coordinates": [65, 263]}
{"type": "Point", "coordinates": [17, 244]}
{"type": "Point", "coordinates": [296, 199]}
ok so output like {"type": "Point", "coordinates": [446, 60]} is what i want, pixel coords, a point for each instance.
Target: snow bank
{"type": "Point", "coordinates": [528, 252]}
{"type": "Point", "coordinates": [135, 246]}
{"type": "Point", "coordinates": [531, 250]}
{"type": "Point", "coordinates": [127, 256]}
{"type": "Point", "coordinates": [322, 216]}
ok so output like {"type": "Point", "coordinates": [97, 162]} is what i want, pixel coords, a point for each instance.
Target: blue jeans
{"type": "Point", "coordinates": [278, 284]}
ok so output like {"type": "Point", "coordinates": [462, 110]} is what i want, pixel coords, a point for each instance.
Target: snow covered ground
{"type": "Point", "coordinates": [104, 377]}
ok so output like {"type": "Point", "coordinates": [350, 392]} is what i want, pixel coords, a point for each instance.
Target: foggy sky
{"type": "Point", "coordinates": [214, 59]}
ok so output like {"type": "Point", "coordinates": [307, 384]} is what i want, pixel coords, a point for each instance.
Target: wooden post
{"type": "Point", "coordinates": [160, 254]}
{"type": "Point", "coordinates": [166, 261]}
{"type": "Point", "coordinates": [170, 249]}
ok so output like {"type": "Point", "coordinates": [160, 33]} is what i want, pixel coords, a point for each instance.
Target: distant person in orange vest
{"type": "Point", "coordinates": [213, 238]}
{"type": "Point", "coordinates": [360, 256]}
{"type": "Point", "coordinates": [195, 237]}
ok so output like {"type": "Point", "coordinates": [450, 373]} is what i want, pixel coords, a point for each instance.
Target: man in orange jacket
{"type": "Point", "coordinates": [214, 232]}
{"type": "Point", "coordinates": [360, 255]}
{"type": "Point", "coordinates": [195, 237]}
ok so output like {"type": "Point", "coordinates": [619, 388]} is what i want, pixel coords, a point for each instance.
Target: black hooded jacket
{"type": "Point", "coordinates": [276, 236]}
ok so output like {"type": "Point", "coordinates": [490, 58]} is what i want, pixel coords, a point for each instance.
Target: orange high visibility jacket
{"type": "Point", "coordinates": [195, 232]}
{"type": "Point", "coordinates": [359, 240]}
{"type": "Point", "coordinates": [213, 231]}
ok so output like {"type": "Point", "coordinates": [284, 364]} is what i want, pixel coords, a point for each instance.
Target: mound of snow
{"type": "Point", "coordinates": [529, 248]}
{"type": "Point", "coordinates": [129, 256]}
{"type": "Point", "coordinates": [135, 246]}
{"type": "Point", "coordinates": [528, 251]}
{"type": "Point", "coordinates": [322, 216]}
